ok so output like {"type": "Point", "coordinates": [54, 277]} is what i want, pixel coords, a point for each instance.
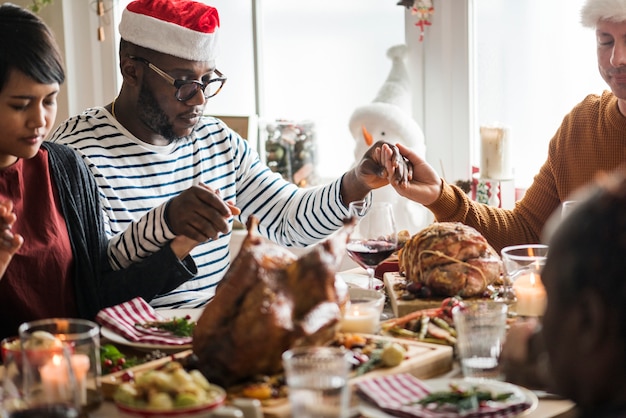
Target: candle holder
{"type": "Point", "coordinates": [362, 312]}
{"type": "Point", "coordinates": [61, 364]}
{"type": "Point", "coordinates": [523, 289]}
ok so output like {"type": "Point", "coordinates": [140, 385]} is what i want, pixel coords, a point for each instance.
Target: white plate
{"type": "Point", "coordinates": [166, 313]}
{"type": "Point", "coordinates": [520, 394]}
{"type": "Point", "coordinates": [360, 280]}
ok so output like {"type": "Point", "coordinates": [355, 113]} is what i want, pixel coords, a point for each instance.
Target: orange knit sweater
{"type": "Point", "coordinates": [591, 139]}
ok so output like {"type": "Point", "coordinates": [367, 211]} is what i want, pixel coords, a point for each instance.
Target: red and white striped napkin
{"type": "Point", "coordinates": [396, 395]}
{"type": "Point", "coordinates": [122, 318]}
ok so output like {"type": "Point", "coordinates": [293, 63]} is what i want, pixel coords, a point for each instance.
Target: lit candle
{"type": "Point", "coordinates": [495, 157]}
{"type": "Point", "coordinates": [55, 378]}
{"type": "Point", "coordinates": [530, 294]}
{"type": "Point", "coordinates": [362, 318]}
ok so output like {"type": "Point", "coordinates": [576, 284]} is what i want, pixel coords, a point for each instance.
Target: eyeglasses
{"type": "Point", "coordinates": [186, 89]}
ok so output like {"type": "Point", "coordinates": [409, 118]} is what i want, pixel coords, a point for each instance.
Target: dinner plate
{"type": "Point", "coordinates": [520, 394]}
{"type": "Point", "coordinates": [359, 280]}
{"type": "Point", "coordinates": [168, 348]}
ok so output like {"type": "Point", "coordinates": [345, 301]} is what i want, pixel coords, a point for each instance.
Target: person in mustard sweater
{"type": "Point", "coordinates": [591, 138]}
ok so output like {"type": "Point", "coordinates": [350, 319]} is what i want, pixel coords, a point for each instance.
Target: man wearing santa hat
{"type": "Point", "coordinates": [167, 171]}
{"type": "Point", "coordinates": [590, 139]}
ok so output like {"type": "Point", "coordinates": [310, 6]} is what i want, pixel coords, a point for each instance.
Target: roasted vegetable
{"type": "Point", "coordinates": [463, 400]}
{"type": "Point", "coordinates": [392, 355]}
{"type": "Point", "coordinates": [167, 388]}
{"type": "Point", "coordinates": [180, 327]}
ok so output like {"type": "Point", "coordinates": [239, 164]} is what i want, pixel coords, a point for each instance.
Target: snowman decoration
{"type": "Point", "coordinates": [388, 118]}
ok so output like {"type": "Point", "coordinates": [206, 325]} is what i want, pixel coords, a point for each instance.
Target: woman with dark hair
{"type": "Point", "coordinates": [53, 259]}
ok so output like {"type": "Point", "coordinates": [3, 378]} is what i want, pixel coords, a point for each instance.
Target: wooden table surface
{"type": "Point", "coordinates": [547, 408]}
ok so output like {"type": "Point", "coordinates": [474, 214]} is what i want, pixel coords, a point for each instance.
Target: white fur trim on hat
{"type": "Point", "coordinates": [168, 38]}
{"type": "Point", "coordinates": [596, 10]}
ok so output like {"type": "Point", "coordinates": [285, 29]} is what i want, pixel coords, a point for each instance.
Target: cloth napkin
{"type": "Point", "coordinates": [395, 395]}
{"type": "Point", "coordinates": [122, 318]}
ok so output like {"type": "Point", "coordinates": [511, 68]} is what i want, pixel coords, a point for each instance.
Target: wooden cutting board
{"type": "Point", "coordinates": [422, 360]}
{"type": "Point", "coordinates": [403, 307]}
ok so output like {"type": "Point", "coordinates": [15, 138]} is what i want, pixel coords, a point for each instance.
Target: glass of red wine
{"type": "Point", "coordinates": [374, 238]}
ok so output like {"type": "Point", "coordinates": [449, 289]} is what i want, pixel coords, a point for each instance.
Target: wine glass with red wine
{"type": "Point", "coordinates": [374, 238]}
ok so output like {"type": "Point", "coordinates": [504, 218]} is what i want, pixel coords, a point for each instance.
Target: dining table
{"type": "Point", "coordinates": [548, 406]}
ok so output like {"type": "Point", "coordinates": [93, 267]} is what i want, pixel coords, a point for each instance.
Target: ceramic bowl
{"type": "Point", "coordinates": [11, 346]}
{"type": "Point", "coordinates": [200, 411]}
{"type": "Point", "coordinates": [36, 356]}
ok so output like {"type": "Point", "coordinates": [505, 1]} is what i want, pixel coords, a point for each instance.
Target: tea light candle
{"type": "Point", "coordinates": [56, 381]}
{"type": "Point", "coordinates": [495, 157]}
{"type": "Point", "coordinates": [362, 318]}
{"type": "Point", "coordinates": [530, 294]}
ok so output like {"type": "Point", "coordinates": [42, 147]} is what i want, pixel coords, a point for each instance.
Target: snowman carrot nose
{"type": "Point", "coordinates": [369, 140]}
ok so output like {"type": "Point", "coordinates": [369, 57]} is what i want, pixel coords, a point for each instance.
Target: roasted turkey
{"type": "Point", "coordinates": [269, 301]}
{"type": "Point", "coordinates": [451, 259]}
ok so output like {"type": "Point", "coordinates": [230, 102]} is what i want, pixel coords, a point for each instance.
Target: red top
{"type": "Point", "coordinates": [38, 282]}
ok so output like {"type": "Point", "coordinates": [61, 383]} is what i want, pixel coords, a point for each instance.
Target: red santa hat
{"type": "Point", "coordinates": [595, 10]}
{"type": "Point", "coordinates": [182, 28]}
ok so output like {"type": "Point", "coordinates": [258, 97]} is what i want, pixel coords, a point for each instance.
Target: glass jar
{"type": "Point", "coordinates": [61, 363]}
{"type": "Point", "coordinates": [291, 150]}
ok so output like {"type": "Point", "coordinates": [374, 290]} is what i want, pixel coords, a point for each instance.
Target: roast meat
{"type": "Point", "coordinates": [451, 259]}
{"type": "Point", "coordinates": [267, 302]}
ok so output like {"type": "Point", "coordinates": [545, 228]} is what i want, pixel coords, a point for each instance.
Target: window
{"type": "Point", "coordinates": [321, 60]}
{"type": "Point", "coordinates": [534, 62]}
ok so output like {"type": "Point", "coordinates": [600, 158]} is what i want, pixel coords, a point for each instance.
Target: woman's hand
{"type": "Point", "coordinates": [10, 243]}
{"type": "Point", "coordinates": [524, 358]}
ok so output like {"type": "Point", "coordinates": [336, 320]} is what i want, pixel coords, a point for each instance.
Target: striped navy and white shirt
{"type": "Point", "coordinates": [137, 179]}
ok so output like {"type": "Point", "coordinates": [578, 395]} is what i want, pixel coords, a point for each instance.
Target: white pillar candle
{"type": "Point", "coordinates": [361, 318]}
{"type": "Point", "coordinates": [530, 294]}
{"type": "Point", "coordinates": [495, 153]}
{"type": "Point", "coordinates": [80, 366]}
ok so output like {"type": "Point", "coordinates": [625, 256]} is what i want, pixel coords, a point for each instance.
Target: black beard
{"type": "Point", "coordinates": [151, 115]}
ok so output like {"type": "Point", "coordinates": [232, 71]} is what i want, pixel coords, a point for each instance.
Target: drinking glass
{"type": "Point", "coordinates": [61, 363]}
{"type": "Point", "coordinates": [522, 271]}
{"type": "Point", "coordinates": [567, 207]}
{"type": "Point", "coordinates": [18, 396]}
{"type": "Point", "coordinates": [317, 380]}
{"type": "Point", "coordinates": [481, 329]}
{"type": "Point", "coordinates": [374, 238]}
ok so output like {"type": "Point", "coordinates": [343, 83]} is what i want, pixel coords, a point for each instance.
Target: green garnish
{"type": "Point", "coordinates": [463, 400]}
{"type": "Point", "coordinates": [180, 327]}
